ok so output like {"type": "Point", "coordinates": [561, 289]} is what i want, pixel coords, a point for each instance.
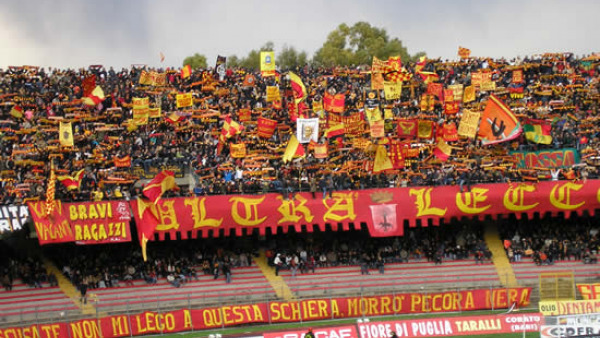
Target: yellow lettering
{"type": "Point", "coordinates": [423, 203]}
{"type": "Point", "coordinates": [82, 213]}
{"type": "Point", "coordinates": [166, 216]}
{"type": "Point", "coordinates": [471, 199]}
{"type": "Point", "coordinates": [93, 213]}
{"type": "Point", "coordinates": [289, 210]}
{"type": "Point", "coordinates": [199, 214]}
{"type": "Point", "coordinates": [187, 319]}
{"type": "Point", "coordinates": [258, 316]}
{"type": "Point", "coordinates": [73, 212]}
{"type": "Point", "coordinates": [514, 197]}
{"type": "Point", "coordinates": [250, 214]}
{"type": "Point", "coordinates": [342, 203]}
{"type": "Point", "coordinates": [563, 199]}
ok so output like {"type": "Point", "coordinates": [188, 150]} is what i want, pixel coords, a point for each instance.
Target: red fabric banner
{"type": "Point", "coordinates": [83, 223]}
{"type": "Point", "coordinates": [282, 312]}
{"type": "Point", "coordinates": [265, 127]}
{"type": "Point", "coordinates": [244, 213]}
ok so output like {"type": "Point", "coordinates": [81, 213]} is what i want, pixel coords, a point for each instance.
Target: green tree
{"type": "Point", "coordinates": [196, 61]}
{"type": "Point", "coordinates": [252, 61]}
{"type": "Point", "coordinates": [289, 58]}
{"type": "Point", "coordinates": [233, 61]}
{"type": "Point", "coordinates": [357, 45]}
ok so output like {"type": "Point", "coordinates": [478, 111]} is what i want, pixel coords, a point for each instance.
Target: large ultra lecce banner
{"type": "Point", "coordinates": [83, 223]}
{"type": "Point", "coordinates": [383, 210]}
{"type": "Point", "coordinates": [276, 312]}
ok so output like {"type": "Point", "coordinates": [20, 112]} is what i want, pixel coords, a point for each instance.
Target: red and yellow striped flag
{"type": "Point", "coordinates": [186, 71]}
{"type": "Point", "coordinates": [72, 182]}
{"type": "Point", "coordinates": [51, 191]}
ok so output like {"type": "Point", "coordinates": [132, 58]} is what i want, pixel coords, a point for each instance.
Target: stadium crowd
{"type": "Point", "coordinates": [116, 147]}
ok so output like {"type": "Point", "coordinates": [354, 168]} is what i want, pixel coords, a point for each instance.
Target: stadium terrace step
{"type": "Point", "coordinates": [24, 301]}
{"type": "Point", "coordinates": [248, 284]}
{"type": "Point", "coordinates": [397, 277]}
{"type": "Point", "coordinates": [528, 272]}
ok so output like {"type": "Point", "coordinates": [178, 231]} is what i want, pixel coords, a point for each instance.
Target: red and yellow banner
{"type": "Point", "coordinates": [83, 223]}
{"type": "Point", "coordinates": [265, 127]}
{"type": "Point", "coordinates": [184, 100]}
{"type": "Point", "coordinates": [352, 208]}
{"type": "Point", "coordinates": [123, 162]}
{"type": "Point", "coordinates": [283, 312]}
{"type": "Point", "coordinates": [589, 291]}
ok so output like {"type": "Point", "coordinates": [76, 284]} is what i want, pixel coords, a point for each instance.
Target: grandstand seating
{"type": "Point", "coordinates": [528, 273]}
{"type": "Point", "coordinates": [42, 304]}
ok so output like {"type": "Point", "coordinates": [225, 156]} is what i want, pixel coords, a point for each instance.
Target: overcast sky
{"type": "Point", "coordinates": [75, 33]}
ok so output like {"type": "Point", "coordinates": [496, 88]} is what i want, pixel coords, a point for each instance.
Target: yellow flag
{"type": "Point", "coordinates": [469, 94]}
{"type": "Point", "coordinates": [267, 63]}
{"type": "Point", "coordinates": [272, 93]}
{"type": "Point", "coordinates": [382, 161]}
{"type": "Point", "coordinates": [291, 148]}
{"type": "Point", "coordinates": [393, 90]}
{"type": "Point", "coordinates": [66, 134]}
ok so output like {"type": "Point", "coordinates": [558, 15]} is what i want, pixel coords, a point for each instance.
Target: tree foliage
{"type": "Point", "coordinates": [196, 61]}
{"type": "Point", "coordinates": [344, 46]}
{"type": "Point", "coordinates": [289, 58]}
{"type": "Point", "coordinates": [357, 45]}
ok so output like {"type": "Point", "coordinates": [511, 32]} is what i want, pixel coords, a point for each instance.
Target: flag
{"type": "Point", "coordinates": [51, 191]}
{"type": "Point", "coordinates": [334, 103]}
{"type": "Point", "coordinates": [425, 129]}
{"type": "Point", "coordinates": [436, 89]}
{"type": "Point", "coordinates": [382, 161]}
{"type": "Point", "coordinates": [273, 93]}
{"type": "Point", "coordinates": [161, 56]}
{"type": "Point", "coordinates": [464, 53]}
{"type": "Point", "coordinates": [498, 123]}
{"type": "Point", "coordinates": [392, 90]}
{"type": "Point", "coordinates": [468, 123]}
{"type": "Point", "coordinates": [449, 131]}
{"type": "Point", "coordinates": [265, 127]}
{"type": "Point", "coordinates": [385, 222]}
{"type": "Point", "coordinates": [173, 118]}
{"type": "Point", "coordinates": [297, 87]}
{"type": "Point", "coordinates": [16, 112]}
{"type": "Point", "coordinates": [378, 129]}
{"type": "Point", "coordinates": [469, 94]}
{"type": "Point", "coordinates": [186, 71]}
{"type": "Point", "coordinates": [184, 100]}
{"type": "Point", "coordinates": [88, 84]}
{"type": "Point", "coordinates": [538, 131]}
{"type": "Point", "coordinates": [161, 183]}
{"type": "Point", "coordinates": [220, 67]}
{"type": "Point", "coordinates": [95, 97]}
{"type": "Point", "coordinates": [517, 76]}
{"type": "Point", "coordinates": [249, 81]}
{"type": "Point", "coordinates": [335, 130]}
{"type": "Point", "coordinates": [291, 149]}
{"type": "Point", "coordinates": [267, 64]}
{"type": "Point", "coordinates": [442, 150]}
{"type": "Point", "coordinates": [148, 224]}
{"type": "Point", "coordinates": [320, 150]}
{"type": "Point", "coordinates": [72, 182]}
{"type": "Point", "coordinates": [237, 150]}
{"type": "Point", "coordinates": [307, 130]}
{"type": "Point", "coordinates": [377, 65]}
{"type": "Point", "coordinates": [65, 134]}
{"type": "Point", "coordinates": [407, 128]}
{"type": "Point", "coordinates": [231, 128]}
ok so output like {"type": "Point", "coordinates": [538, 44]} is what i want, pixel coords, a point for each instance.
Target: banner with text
{"type": "Point", "coordinates": [13, 217]}
{"type": "Point", "coordinates": [84, 223]}
{"type": "Point", "coordinates": [283, 312]}
{"type": "Point", "coordinates": [244, 213]}
{"type": "Point", "coordinates": [548, 158]}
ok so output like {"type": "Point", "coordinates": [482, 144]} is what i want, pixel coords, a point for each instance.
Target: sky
{"type": "Point", "coordinates": [119, 33]}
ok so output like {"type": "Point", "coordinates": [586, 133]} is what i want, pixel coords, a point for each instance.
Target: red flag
{"type": "Point", "coordinates": [148, 224]}
{"type": "Point", "coordinates": [161, 183]}
{"type": "Point", "coordinates": [334, 103]}
{"type": "Point", "coordinates": [297, 87]}
{"type": "Point", "coordinates": [442, 150]}
{"type": "Point", "coordinates": [72, 182]}
{"type": "Point", "coordinates": [384, 221]}
{"type": "Point", "coordinates": [407, 128]}
{"type": "Point", "coordinates": [265, 127]}
{"type": "Point", "coordinates": [436, 89]}
{"type": "Point", "coordinates": [231, 128]}
{"type": "Point", "coordinates": [88, 84]}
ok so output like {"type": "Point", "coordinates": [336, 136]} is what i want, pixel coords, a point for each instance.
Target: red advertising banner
{"type": "Point", "coordinates": [282, 312]}
{"type": "Point", "coordinates": [337, 332]}
{"type": "Point", "coordinates": [84, 223]}
{"type": "Point", "coordinates": [244, 213]}
{"type": "Point", "coordinates": [454, 326]}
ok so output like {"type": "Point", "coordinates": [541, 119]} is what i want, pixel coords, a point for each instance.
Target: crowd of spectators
{"type": "Point", "coordinates": [559, 88]}
{"type": "Point", "coordinates": [27, 269]}
{"type": "Point", "coordinates": [558, 239]}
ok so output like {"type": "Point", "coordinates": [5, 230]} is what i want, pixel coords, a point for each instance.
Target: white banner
{"type": "Point", "coordinates": [307, 129]}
